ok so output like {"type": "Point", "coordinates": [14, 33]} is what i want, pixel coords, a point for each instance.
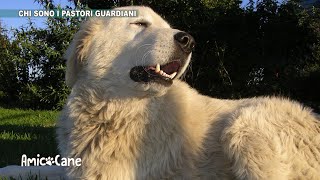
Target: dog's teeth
{"type": "Point", "coordinates": [157, 68]}
{"type": "Point", "coordinates": [164, 74]}
{"type": "Point", "coordinates": [173, 75]}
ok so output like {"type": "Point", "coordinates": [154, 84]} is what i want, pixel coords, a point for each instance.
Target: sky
{"type": "Point", "coordinates": [30, 4]}
{"type": "Point", "coordinates": [24, 4]}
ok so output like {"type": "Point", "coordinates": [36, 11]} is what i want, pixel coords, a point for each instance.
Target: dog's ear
{"type": "Point", "coordinates": [77, 51]}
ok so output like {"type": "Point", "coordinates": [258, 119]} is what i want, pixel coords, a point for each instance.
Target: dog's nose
{"type": "Point", "coordinates": [185, 41]}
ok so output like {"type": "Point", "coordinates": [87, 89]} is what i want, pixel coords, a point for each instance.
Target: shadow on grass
{"type": "Point", "coordinates": [15, 116]}
{"type": "Point", "coordinates": [29, 140]}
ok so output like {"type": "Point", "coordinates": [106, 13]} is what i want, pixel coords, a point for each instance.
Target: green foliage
{"type": "Point", "coordinates": [8, 72]}
{"type": "Point", "coordinates": [35, 65]}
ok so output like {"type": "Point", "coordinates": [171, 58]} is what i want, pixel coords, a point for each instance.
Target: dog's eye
{"type": "Point", "coordinates": [140, 23]}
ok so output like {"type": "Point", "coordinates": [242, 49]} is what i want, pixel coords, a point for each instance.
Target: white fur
{"type": "Point", "coordinates": [129, 130]}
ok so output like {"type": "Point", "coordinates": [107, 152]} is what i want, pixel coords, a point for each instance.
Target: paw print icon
{"type": "Point", "coordinates": [49, 161]}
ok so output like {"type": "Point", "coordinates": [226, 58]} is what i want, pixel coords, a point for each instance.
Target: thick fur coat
{"type": "Point", "coordinates": [123, 129]}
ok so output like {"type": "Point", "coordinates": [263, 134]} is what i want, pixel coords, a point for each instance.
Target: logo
{"type": "Point", "coordinates": [49, 161]}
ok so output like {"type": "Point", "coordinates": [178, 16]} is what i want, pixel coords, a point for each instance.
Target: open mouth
{"type": "Point", "coordinates": [163, 74]}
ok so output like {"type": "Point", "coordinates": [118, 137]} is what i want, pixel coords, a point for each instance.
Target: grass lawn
{"type": "Point", "coordinates": [26, 132]}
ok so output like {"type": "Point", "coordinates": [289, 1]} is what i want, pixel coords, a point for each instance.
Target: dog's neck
{"type": "Point", "coordinates": [102, 108]}
{"type": "Point", "coordinates": [129, 120]}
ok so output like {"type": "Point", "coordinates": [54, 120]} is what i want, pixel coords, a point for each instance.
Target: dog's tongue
{"type": "Point", "coordinates": [171, 67]}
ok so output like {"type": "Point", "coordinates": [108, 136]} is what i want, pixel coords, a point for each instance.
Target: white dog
{"type": "Point", "coordinates": [130, 117]}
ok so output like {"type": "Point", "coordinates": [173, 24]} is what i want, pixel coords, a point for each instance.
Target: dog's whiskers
{"type": "Point", "coordinates": [146, 48]}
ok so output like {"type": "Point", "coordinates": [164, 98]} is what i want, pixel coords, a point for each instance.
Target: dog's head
{"type": "Point", "coordinates": [129, 56]}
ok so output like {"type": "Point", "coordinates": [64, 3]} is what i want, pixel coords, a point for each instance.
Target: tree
{"type": "Point", "coordinates": [9, 82]}
{"type": "Point", "coordinates": [32, 66]}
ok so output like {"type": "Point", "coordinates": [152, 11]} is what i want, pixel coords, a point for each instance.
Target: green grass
{"type": "Point", "coordinates": [26, 132]}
